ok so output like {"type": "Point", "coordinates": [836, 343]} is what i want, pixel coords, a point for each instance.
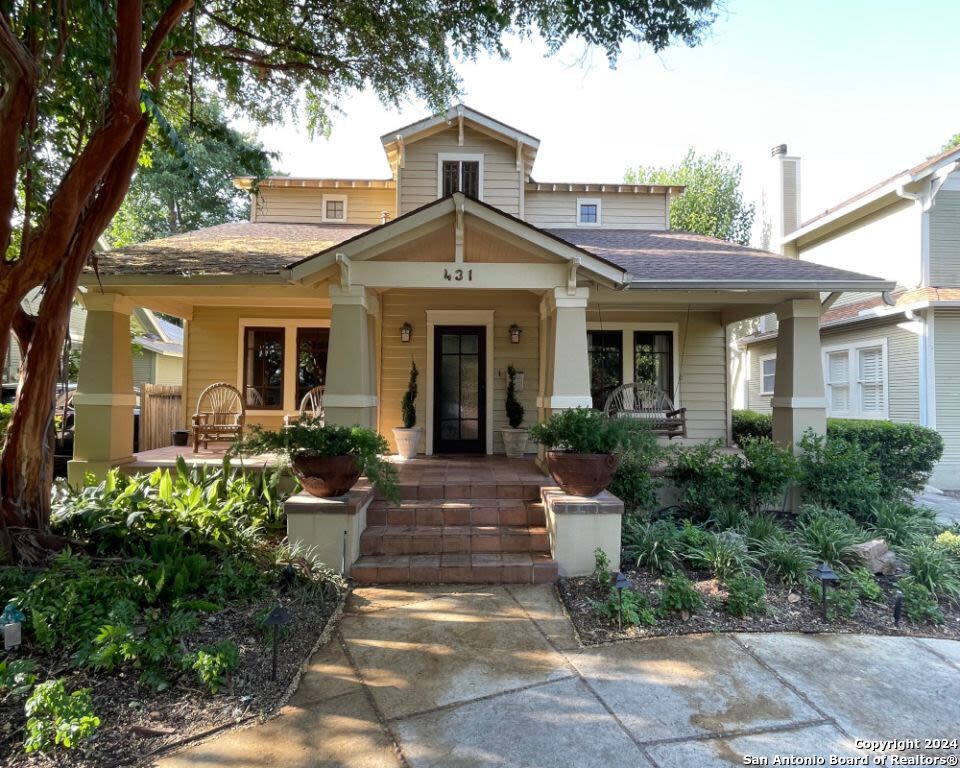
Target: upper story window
{"type": "Point", "coordinates": [334, 208]}
{"type": "Point", "coordinates": [460, 173]}
{"type": "Point", "coordinates": [588, 211]}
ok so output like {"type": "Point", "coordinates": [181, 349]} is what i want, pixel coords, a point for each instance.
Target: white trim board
{"type": "Point", "coordinates": [761, 360]}
{"type": "Point", "coordinates": [852, 349]}
{"type": "Point", "coordinates": [480, 317]}
{"type": "Point", "coordinates": [460, 157]}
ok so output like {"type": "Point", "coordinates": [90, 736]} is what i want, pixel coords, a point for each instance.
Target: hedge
{"type": "Point", "coordinates": [905, 454]}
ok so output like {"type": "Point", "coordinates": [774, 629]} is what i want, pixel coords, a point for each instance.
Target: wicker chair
{"type": "Point", "coordinates": [649, 403]}
{"type": "Point", "coordinates": [311, 407]}
{"type": "Point", "coordinates": [219, 417]}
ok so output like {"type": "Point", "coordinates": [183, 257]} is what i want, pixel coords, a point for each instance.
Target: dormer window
{"type": "Point", "coordinates": [460, 173]}
{"type": "Point", "coordinates": [588, 211]}
{"type": "Point", "coordinates": [334, 208]}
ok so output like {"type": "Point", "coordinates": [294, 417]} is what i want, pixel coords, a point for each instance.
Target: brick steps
{"type": "Point", "coordinates": [520, 490]}
{"type": "Point", "coordinates": [463, 539]}
{"type": "Point", "coordinates": [478, 568]}
{"type": "Point", "coordinates": [442, 512]}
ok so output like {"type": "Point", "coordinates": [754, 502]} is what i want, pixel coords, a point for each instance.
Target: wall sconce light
{"type": "Point", "coordinates": [515, 332]}
{"type": "Point", "coordinates": [406, 331]}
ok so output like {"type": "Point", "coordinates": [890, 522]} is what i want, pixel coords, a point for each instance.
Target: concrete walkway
{"type": "Point", "coordinates": [945, 505]}
{"type": "Point", "coordinates": [493, 676]}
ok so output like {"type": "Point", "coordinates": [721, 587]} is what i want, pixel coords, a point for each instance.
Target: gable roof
{"type": "Point", "coordinates": [454, 113]}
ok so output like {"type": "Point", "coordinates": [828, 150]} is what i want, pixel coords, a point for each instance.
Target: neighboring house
{"type": "Point", "coordinates": [158, 350]}
{"type": "Point", "coordinates": [464, 264]}
{"type": "Point", "coordinates": [11, 366]}
{"type": "Point", "coordinates": [894, 356]}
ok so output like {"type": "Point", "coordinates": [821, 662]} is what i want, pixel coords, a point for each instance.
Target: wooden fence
{"type": "Point", "coordinates": [161, 410]}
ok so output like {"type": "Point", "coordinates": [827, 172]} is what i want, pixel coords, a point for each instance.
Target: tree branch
{"type": "Point", "coordinates": [170, 18]}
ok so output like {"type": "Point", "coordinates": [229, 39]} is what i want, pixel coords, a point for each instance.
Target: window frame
{"type": "Point", "coordinates": [243, 372]}
{"type": "Point", "coordinates": [290, 326]}
{"type": "Point", "coordinates": [855, 395]}
{"type": "Point", "coordinates": [582, 201]}
{"type": "Point", "coordinates": [460, 157]}
{"type": "Point", "coordinates": [629, 348]}
{"type": "Point", "coordinates": [761, 360]}
{"type": "Point", "coordinates": [323, 208]}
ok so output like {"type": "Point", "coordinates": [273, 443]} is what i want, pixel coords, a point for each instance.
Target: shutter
{"type": "Point", "coordinates": [870, 364]}
{"type": "Point", "coordinates": [838, 375]}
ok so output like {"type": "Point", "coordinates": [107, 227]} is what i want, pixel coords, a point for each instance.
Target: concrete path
{"type": "Point", "coordinates": [493, 676]}
{"type": "Point", "coordinates": [945, 505]}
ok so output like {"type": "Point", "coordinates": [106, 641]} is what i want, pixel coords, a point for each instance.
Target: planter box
{"type": "Point", "coordinates": [578, 525]}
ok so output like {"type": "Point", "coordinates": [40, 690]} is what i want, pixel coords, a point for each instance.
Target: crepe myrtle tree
{"type": "Point", "coordinates": [81, 82]}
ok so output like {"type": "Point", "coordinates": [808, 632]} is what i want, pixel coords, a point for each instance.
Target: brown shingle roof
{"type": "Point", "coordinates": [654, 256]}
{"type": "Point", "coordinates": [226, 249]}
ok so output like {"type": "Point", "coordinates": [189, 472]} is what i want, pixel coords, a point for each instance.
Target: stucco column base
{"type": "Point", "coordinates": [578, 525]}
{"type": "Point", "coordinates": [348, 417]}
{"type": "Point", "coordinates": [319, 525]}
{"type": "Point", "coordinates": [350, 393]}
{"type": "Point", "coordinates": [78, 469]}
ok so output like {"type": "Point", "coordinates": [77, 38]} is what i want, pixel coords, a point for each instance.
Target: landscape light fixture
{"type": "Point", "coordinates": [515, 332]}
{"type": "Point", "coordinates": [279, 617]}
{"type": "Point", "coordinates": [824, 574]}
{"type": "Point", "coordinates": [898, 609]}
{"type": "Point", "coordinates": [406, 331]}
{"type": "Point", "coordinates": [621, 583]}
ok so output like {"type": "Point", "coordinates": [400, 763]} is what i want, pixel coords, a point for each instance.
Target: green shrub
{"type": "Point", "coordinates": [725, 554]}
{"type": "Point", "coordinates": [213, 663]}
{"type": "Point", "coordinates": [919, 604]}
{"type": "Point", "coordinates": [830, 535]}
{"type": "Point", "coordinates": [950, 541]}
{"type": "Point", "coordinates": [691, 536]}
{"type": "Point", "coordinates": [839, 474]}
{"type": "Point", "coordinates": [17, 677]}
{"type": "Point", "coordinates": [636, 608]}
{"type": "Point", "coordinates": [746, 596]}
{"type": "Point", "coordinates": [633, 482]}
{"type": "Point", "coordinates": [748, 425]}
{"type": "Point", "coordinates": [706, 477]}
{"type": "Point", "coordinates": [766, 472]}
{"type": "Point", "coordinates": [583, 430]}
{"type": "Point", "coordinates": [841, 602]}
{"type": "Point", "coordinates": [760, 529]}
{"type": "Point", "coordinates": [787, 561]}
{"type": "Point", "coordinates": [862, 581]}
{"type": "Point", "coordinates": [601, 568]}
{"type": "Point", "coordinates": [408, 403]}
{"type": "Point", "coordinates": [655, 545]}
{"type": "Point", "coordinates": [679, 594]}
{"type": "Point", "coordinates": [512, 406]}
{"type": "Point", "coordinates": [56, 718]}
{"type": "Point", "coordinates": [933, 567]}
{"type": "Point", "coordinates": [727, 519]}
{"type": "Point", "coordinates": [901, 523]}
{"type": "Point", "coordinates": [6, 410]}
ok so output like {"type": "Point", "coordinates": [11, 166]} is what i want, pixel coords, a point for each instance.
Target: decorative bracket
{"type": "Point", "coordinates": [344, 263]}
{"type": "Point", "coordinates": [573, 266]}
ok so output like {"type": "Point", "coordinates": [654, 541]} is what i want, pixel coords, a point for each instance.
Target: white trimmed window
{"type": "Point", "coordinates": [588, 211]}
{"type": "Point", "coordinates": [768, 374]}
{"type": "Point", "coordinates": [460, 172]}
{"type": "Point", "coordinates": [334, 208]}
{"type": "Point", "coordinates": [855, 377]}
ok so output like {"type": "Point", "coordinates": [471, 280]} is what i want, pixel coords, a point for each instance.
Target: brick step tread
{"type": "Point", "coordinates": [520, 490]}
{"type": "Point", "coordinates": [465, 512]}
{"type": "Point", "coordinates": [455, 569]}
{"type": "Point", "coordinates": [421, 539]}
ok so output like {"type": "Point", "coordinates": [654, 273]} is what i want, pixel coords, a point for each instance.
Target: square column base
{"type": "Point", "coordinates": [319, 525]}
{"type": "Point", "coordinates": [78, 469]}
{"type": "Point", "coordinates": [578, 525]}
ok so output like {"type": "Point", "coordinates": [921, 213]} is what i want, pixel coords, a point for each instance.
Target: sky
{"type": "Point", "coordinates": [859, 89]}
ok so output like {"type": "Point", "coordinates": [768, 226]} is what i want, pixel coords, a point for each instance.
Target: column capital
{"type": "Point", "coordinates": [355, 295]}
{"type": "Point", "coordinates": [564, 298]}
{"type": "Point", "coordinates": [798, 308]}
{"type": "Point", "coordinates": [95, 301]}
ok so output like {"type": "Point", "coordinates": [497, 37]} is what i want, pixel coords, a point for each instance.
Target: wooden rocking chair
{"type": "Point", "coordinates": [648, 403]}
{"type": "Point", "coordinates": [219, 417]}
{"type": "Point", "coordinates": [311, 407]}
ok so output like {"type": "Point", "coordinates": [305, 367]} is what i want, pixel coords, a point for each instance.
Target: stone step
{"type": "Point", "coordinates": [456, 512]}
{"type": "Point", "coordinates": [521, 490]}
{"type": "Point", "coordinates": [480, 568]}
{"type": "Point", "coordinates": [465, 539]}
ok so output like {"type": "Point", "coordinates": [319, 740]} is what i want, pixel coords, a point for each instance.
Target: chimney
{"type": "Point", "coordinates": [784, 196]}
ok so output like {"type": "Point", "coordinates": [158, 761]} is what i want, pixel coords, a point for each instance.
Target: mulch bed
{"type": "Point", "coordinates": [580, 595]}
{"type": "Point", "coordinates": [138, 724]}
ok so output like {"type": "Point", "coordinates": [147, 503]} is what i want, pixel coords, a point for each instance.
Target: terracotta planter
{"type": "Point", "coordinates": [582, 474]}
{"type": "Point", "coordinates": [408, 441]}
{"type": "Point", "coordinates": [514, 442]}
{"type": "Point", "coordinates": [326, 476]}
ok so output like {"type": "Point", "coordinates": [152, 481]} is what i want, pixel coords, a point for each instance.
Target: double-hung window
{"type": "Point", "coordinates": [460, 174]}
{"type": "Point", "coordinates": [768, 374]}
{"type": "Point", "coordinates": [855, 378]}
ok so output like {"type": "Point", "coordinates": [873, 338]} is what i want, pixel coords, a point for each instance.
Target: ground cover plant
{"type": "Point", "coordinates": [159, 601]}
{"type": "Point", "coordinates": [728, 557]}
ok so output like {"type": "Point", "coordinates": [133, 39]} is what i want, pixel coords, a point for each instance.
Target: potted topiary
{"type": "Point", "coordinates": [327, 460]}
{"type": "Point", "coordinates": [581, 448]}
{"type": "Point", "coordinates": [407, 437]}
{"type": "Point", "coordinates": [514, 438]}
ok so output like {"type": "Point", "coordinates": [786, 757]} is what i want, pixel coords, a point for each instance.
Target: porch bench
{"type": "Point", "coordinates": [650, 404]}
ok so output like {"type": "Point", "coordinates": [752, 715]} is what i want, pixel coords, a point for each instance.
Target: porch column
{"type": "Point", "coordinates": [798, 397]}
{"type": "Point", "coordinates": [350, 394]}
{"type": "Point", "coordinates": [567, 369]}
{"type": "Point", "coordinates": [104, 400]}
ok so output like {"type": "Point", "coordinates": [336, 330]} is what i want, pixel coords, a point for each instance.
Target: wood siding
{"type": "Point", "coordinates": [755, 401]}
{"type": "Point", "coordinates": [945, 240]}
{"type": "Point", "coordinates": [946, 340]}
{"type": "Point", "coordinates": [144, 367]}
{"type": "Point", "coordinates": [501, 180]}
{"type": "Point", "coordinates": [617, 210]}
{"type": "Point", "coordinates": [400, 306]}
{"type": "Point", "coordinates": [304, 205]}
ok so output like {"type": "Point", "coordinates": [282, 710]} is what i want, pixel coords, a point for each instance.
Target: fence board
{"type": "Point", "coordinates": [160, 412]}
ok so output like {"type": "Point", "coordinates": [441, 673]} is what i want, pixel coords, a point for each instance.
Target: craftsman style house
{"type": "Point", "coordinates": [895, 356]}
{"type": "Point", "coordinates": [464, 264]}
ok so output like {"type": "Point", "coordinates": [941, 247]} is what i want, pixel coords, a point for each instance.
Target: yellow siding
{"type": "Point", "coordinates": [501, 180]}
{"type": "Point", "coordinates": [617, 210]}
{"type": "Point", "coordinates": [411, 306]}
{"type": "Point", "coordinates": [304, 205]}
{"type": "Point", "coordinates": [945, 240]}
{"type": "Point", "coordinates": [169, 370]}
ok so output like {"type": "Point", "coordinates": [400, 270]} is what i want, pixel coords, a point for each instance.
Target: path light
{"type": "Point", "coordinates": [824, 574]}
{"type": "Point", "coordinates": [11, 620]}
{"type": "Point", "coordinates": [279, 617]}
{"type": "Point", "coordinates": [406, 331]}
{"type": "Point", "coordinates": [898, 608]}
{"type": "Point", "coordinates": [621, 582]}
{"type": "Point", "coordinates": [515, 332]}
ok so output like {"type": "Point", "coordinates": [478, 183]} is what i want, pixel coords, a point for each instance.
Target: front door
{"type": "Point", "coordinates": [459, 417]}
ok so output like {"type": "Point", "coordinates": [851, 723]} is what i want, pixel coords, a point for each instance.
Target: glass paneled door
{"type": "Point", "coordinates": [459, 417]}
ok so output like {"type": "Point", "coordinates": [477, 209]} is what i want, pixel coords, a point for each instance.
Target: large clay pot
{"type": "Point", "coordinates": [582, 474]}
{"type": "Point", "coordinates": [408, 441]}
{"type": "Point", "coordinates": [326, 476]}
{"type": "Point", "coordinates": [514, 442]}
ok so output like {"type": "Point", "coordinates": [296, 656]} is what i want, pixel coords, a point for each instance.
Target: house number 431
{"type": "Point", "coordinates": [457, 275]}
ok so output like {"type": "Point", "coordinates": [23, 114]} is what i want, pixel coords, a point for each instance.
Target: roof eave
{"type": "Point", "coordinates": [878, 286]}
{"type": "Point", "coordinates": [414, 129]}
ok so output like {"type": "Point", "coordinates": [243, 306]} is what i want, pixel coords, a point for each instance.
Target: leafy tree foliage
{"type": "Point", "coordinates": [163, 200]}
{"type": "Point", "coordinates": [713, 202]}
{"type": "Point", "coordinates": [953, 141]}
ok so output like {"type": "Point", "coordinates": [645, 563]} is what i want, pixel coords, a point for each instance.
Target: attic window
{"type": "Point", "coordinates": [588, 211]}
{"type": "Point", "coordinates": [334, 208]}
{"type": "Point", "coordinates": [460, 173]}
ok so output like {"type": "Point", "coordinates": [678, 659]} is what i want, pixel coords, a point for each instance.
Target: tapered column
{"type": "Point", "coordinates": [350, 393]}
{"type": "Point", "coordinates": [798, 398]}
{"type": "Point", "coordinates": [104, 400]}
{"type": "Point", "coordinates": [566, 383]}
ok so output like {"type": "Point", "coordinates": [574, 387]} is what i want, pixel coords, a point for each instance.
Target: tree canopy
{"type": "Point", "coordinates": [953, 141]}
{"type": "Point", "coordinates": [713, 202]}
